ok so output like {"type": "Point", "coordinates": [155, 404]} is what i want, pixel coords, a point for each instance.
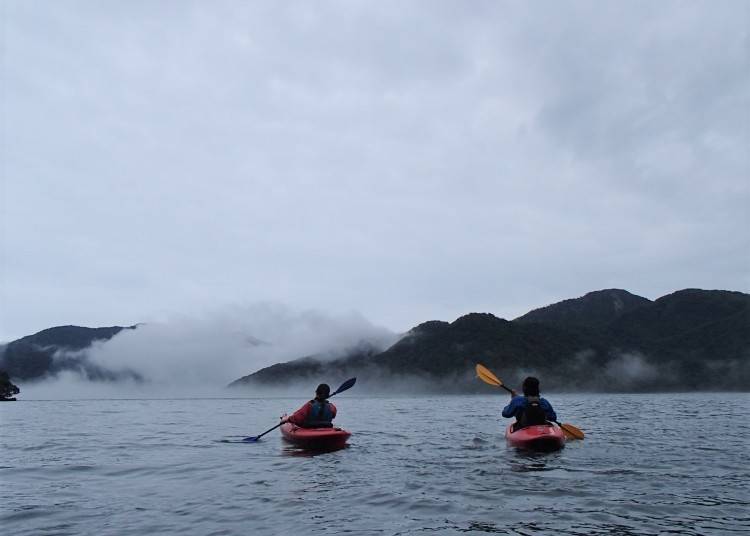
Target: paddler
{"type": "Point", "coordinates": [529, 409]}
{"type": "Point", "coordinates": [317, 413]}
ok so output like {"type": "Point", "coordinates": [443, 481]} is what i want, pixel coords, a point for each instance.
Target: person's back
{"type": "Point", "coordinates": [529, 409]}
{"type": "Point", "coordinates": [317, 413]}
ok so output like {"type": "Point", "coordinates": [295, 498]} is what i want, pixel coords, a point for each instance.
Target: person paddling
{"type": "Point", "coordinates": [529, 409]}
{"type": "Point", "coordinates": [317, 413]}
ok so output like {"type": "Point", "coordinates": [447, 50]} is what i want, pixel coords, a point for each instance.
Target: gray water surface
{"type": "Point", "coordinates": [650, 464]}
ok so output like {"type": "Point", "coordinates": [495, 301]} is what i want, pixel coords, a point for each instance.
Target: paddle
{"type": "Point", "coordinates": [486, 375]}
{"type": "Point", "coordinates": [344, 386]}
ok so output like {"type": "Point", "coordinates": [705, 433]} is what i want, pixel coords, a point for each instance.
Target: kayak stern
{"type": "Point", "coordinates": [315, 438]}
{"type": "Point", "coordinates": [545, 437]}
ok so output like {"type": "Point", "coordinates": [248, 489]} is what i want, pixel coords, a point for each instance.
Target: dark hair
{"type": "Point", "coordinates": [323, 391]}
{"type": "Point", "coordinates": [531, 386]}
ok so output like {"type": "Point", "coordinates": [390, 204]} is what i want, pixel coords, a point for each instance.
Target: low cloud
{"type": "Point", "coordinates": [218, 347]}
{"type": "Point", "coordinates": [630, 370]}
{"type": "Point", "coordinates": [72, 385]}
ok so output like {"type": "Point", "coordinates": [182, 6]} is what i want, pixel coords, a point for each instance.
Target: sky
{"type": "Point", "coordinates": [392, 162]}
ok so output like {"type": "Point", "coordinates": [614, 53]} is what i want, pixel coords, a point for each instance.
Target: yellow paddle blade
{"type": "Point", "coordinates": [486, 376]}
{"type": "Point", "coordinates": [571, 432]}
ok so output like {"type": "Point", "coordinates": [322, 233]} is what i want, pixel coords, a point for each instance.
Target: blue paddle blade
{"type": "Point", "coordinates": [348, 384]}
{"type": "Point", "coordinates": [251, 439]}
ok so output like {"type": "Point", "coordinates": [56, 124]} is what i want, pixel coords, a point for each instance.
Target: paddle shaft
{"type": "Point", "coordinates": [256, 438]}
{"type": "Point", "coordinates": [507, 388]}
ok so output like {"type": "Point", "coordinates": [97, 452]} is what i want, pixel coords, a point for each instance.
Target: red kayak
{"type": "Point", "coordinates": [315, 438]}
{"type": "Point", "coordinates": [538, 437]}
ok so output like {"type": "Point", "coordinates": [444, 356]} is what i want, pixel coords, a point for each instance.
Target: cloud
{"type": "Point", "coordinates": [212, 349]}
{"type": "Point", "coordinates": [69, 385]}
{"type": "Point", "coordinates": [628, 370]}
{"type": "Point", "coordinates": [407, 161]}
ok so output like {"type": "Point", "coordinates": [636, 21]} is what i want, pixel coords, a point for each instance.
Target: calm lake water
{"type": "Point", "coordinates": [651, 464]}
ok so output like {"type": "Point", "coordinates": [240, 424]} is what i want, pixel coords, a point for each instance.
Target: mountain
{"type": "Point", "coordinates": [594, 310]}
{"type": "Point", "coordinates": [53, 350]}
{"type": "Point", "coordinates": [443, 349]}
{"type": "Point", "coordinates": [608, 340]}
{"type": "Point", "coordinates": [701, 337]}
{"type": "Point", "coordinates": [671, 318]}
{"type": "Point", "coordinates": [310, 367]}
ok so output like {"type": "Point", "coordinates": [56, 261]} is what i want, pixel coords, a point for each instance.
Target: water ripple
{"type": "Point", "coordinates": [179, 467]}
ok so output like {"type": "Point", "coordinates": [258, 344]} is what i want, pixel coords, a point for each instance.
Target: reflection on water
{"type": "Point", "coordinates": [413, 466]}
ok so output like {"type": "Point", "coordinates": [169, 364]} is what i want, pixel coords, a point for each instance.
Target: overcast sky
{"type": "Point", "coordinates": [405, 160]}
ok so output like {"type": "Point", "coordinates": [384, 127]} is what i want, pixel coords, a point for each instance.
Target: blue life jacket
{"type": "Point", "coordinates": [320, 415]}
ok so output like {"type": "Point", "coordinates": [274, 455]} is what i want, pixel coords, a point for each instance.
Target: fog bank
{"type": "Point", "coordinates": [198, 355]}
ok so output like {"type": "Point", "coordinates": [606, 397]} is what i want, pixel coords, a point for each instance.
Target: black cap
{"type": "Point", "coordinates": [323, 391]}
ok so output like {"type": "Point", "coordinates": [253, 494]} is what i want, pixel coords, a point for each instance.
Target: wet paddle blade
{"type": "Point", "coordinates": [571, 432]}
{"type": "Point", "coordinates": [486, 376]}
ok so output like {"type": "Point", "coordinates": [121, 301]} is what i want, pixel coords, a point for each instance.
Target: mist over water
{"type": "Point", "coordinates": [198, 355]}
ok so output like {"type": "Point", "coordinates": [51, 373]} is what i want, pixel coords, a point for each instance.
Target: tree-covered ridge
{"type": "Point", "coordinates": [606, 340]}
{"type": "Point", "coordinates": [357, 357]}
{"type": "Point", "coordinates": [593, 310]}
{"type": "Point", "coordinates": [612, 341]}
{"type": "Point", "coordinates": [56, 349]}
